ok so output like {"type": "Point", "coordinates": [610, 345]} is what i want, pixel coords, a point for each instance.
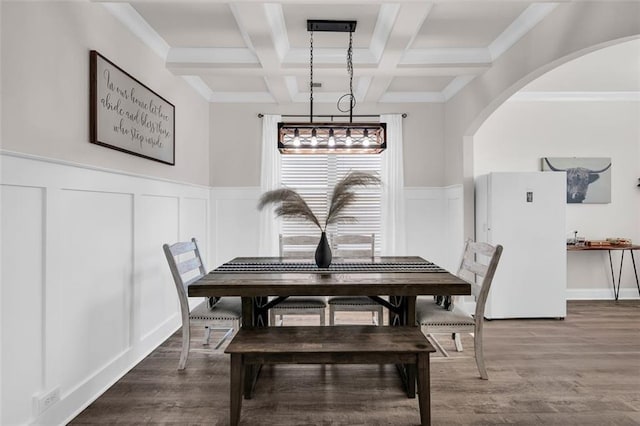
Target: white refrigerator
{"type": "Point", "coordinates": [525, 212]}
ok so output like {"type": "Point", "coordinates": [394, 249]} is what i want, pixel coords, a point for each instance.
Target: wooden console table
{"type": "Point", "coordinates": [609, 249]}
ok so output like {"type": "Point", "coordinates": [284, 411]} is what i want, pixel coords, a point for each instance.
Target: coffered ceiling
{"type": "Point", "coordinates": [252, 51]}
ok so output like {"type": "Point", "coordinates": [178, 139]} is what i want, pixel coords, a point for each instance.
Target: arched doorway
{"type": "Point", "coordinates": [587, 107]}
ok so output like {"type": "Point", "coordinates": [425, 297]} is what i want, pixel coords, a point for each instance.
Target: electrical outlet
{"type": "Point", "coordinates": [44, 400]}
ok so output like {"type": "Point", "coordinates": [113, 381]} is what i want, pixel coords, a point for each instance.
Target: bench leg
{"type": "Point", "coordinates": [424, 391]}
{"type": "Point", "coordinates": [237, 372]}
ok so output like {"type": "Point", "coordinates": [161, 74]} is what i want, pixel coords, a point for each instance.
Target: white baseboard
{"type": "Point", "coordinates": [601, 294]}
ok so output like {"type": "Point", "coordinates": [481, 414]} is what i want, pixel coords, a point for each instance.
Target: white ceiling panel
{"type": "Point", "coordinates": [192, 24]}
{"type": "Point", "coordinates": [465, 24]}
{"type": "Point", "coordinates": [404, 51]}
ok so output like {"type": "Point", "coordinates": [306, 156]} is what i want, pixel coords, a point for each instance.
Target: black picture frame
{"type": "Point", "coordinates": [126, 115]}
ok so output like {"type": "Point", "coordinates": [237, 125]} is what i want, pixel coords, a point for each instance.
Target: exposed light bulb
{"type": "Point", "coordinates": [314, 138]}
{"type": "Point", "coordinates": [296, 137]}
{"type": "Point", "coordinates": [366, 141]}
{"type": "Point", "coordinates": [332, 140]}
{"type": "Point", "coordinates": [348, 142]}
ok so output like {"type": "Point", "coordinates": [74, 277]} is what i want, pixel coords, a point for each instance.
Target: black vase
{"type": "Point", "coordinates": [323, 252]}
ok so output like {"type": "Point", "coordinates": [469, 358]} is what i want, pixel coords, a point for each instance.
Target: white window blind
{"type": "Point", "coordinates": [314, 176]}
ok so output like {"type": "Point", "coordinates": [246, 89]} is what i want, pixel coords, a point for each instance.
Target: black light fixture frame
{"type": "Point", "coordinates": [331, 26]}
{"type": "Point", "coordinates": [290, 134]}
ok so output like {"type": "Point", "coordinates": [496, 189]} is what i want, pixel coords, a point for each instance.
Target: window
{"type": "Point", "coordinates": [314, 176]}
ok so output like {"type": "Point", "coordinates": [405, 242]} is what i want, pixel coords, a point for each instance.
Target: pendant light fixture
{"type": "Point", "coordinates": [332, 137]}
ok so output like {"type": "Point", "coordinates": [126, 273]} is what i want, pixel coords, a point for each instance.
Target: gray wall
{"type": "Point", "coordinates": [236, 135]}
{"type": "Point", "coordinates": [45, 88]}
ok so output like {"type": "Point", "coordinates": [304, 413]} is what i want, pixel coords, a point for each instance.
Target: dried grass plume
{"type": "Point", "coordinates": [291, 205]}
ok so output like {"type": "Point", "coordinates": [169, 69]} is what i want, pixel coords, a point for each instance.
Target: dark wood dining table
{"type": "Point", "coordinates": [263, 282]}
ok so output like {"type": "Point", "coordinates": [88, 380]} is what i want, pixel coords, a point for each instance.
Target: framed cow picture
{"type": "Point", "coordinates": [588, 178]}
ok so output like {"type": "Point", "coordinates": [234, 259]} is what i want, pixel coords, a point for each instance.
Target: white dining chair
{"type": "Point", "coordinates": [223, 314]}
{"type": "Point", "coordinates": [478, 266]}
{"type": "Point", "coordinates": [354, 246]}
{"type": "Point", "coordinates": [298, 247]}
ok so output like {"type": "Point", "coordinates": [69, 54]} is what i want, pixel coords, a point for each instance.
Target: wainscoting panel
{"type": "Point", "coordinates": [22, 299]}
{"type": "Point", "coordinates": [194, 222]}
{"type": "Point", "coordinates": [453, 226]}
{"type": "Point", "coordinates": [90, 293]}
{"type": "Point", "coordinates": [94, 286]}
{"type": "Point", "coordinates": [157, 294]}
{"type": "Point", "coordinates": [424, 217]}
{"type": "Point", "coordinates": [235, 222]}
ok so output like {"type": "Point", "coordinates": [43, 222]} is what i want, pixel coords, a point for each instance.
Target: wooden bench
{"type": "Point", "coordinates": [352, 344]}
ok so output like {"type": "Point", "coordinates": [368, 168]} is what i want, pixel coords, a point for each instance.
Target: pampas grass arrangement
{"type": "Point", "coordinates": [291, 205]}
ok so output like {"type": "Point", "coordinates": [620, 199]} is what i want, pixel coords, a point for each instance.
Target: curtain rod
{"type": "Point", "coordinates": [260, 115]}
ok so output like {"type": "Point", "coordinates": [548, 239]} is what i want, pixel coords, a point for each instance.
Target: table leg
{"type": "Point", "coordinates": [253, 316]}
{"type": "Point", "coordinates": [405, 315]}
{"type": "Point", "coordinates": [616, 286]}
{"type": "Point", "coordinates": [247, 312]}
{"type": "Point", "coordinates": [619, 274]}
{"type": "Point", "coordinates": [613, 276]}
{"type": "Point", "coordinates": [410, 320]}
{"type": "Point", "coordinates": [635, 271]}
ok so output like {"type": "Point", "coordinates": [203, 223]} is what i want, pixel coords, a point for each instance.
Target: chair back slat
{"type": "Point", "coordinates": [298, 246]}
{"type": "Point", "coordinates": [183, 271]}
{"type": "Point", "coordinates": [480, 260]}
{"type": "Point", "coordinates": [182, 247]}
{"type": "Point", "coordinates": [189, 265]}
{"type": "Point", "coordinates": [353, 245]}
{"type": "Point", "coordinates": [474, 268]}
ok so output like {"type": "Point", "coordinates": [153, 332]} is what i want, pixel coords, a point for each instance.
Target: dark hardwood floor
{"type": "Point", "coordinates": [584, 370]}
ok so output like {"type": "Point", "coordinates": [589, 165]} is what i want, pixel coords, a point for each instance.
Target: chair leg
{"type": "Point", "coordinates": [227, 334]}
{"type": "Point", "coordinates": [458, 341]}
{"type": "Point", "coordinates": [186, 337]}
{"type": "Point", "coordinates": [322, 317]}
{"type": "Point", "coordinates": [272, 318]}
{"type": "Point", "coordinates": [378, 316]}
{"type": "Point", "coordinates": [479, 352]}
{"type": "Point", "coordinates": [437, 345]}
{"type": "Point", "coordinates": [207, 335]}
{"type": "Point", "coordinates": [332, 315]}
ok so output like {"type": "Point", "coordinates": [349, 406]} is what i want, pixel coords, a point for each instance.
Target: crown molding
{"type": "Point", "coordinates": [243, 97]}
{"type": "Point", "coordinates": [199, 86]}
{"type": "Point", "coordinates": [524, 23]}
{"type": "Point", "coordinates": [412, 97]}
{"type": "Point", "coordinates": [460, 55]}
{"type": "Point", "coordinates": [622, 96]}
{"type": "Point", "coordinates": [211, 55]}
{"type": "Point", "coordinates": [131, 19]}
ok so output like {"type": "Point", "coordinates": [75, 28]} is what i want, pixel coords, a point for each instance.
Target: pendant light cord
{"type": "Point", "coordinates": [350, 71]}
{"type": "Point", "coordinates": [352, 99]}
{"type": "Point", "coordinates": [311, 78]}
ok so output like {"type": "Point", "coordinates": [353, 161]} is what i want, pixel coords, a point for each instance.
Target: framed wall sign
{"type": "Point", "coordinates": [126, 115]}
